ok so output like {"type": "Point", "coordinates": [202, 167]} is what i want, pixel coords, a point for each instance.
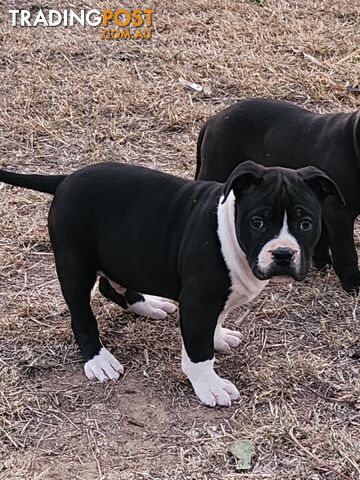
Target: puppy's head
{"type": "Point", "coordinates": [278, 216]}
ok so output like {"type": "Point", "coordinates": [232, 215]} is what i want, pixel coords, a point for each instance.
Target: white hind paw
{"type": "Point", "coordinates": [226, 339]}
{"type": "Point", "coordinates": [153, 307]}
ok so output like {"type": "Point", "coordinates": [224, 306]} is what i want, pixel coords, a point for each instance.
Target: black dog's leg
{"type": "Point", "coordinates": [110, 293]}
{"type": "Point", "coordinates": [145, 305]}
{"type": "Point", "coordinates": [322, 258]}
{"type": "Point", "coordinates": [198, 320]}
{"type": "Point", "coordinates": [77, 277]}
{"type": "Point", "coordinates": [341, 233]}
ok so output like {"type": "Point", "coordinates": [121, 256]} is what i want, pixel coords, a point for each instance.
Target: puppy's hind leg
{"type": "Point", "coordinates": [148, 305]}
{"type": "Point", "coordinates": [144, 305]}
{"type": "Point", "coordinates": [77, 277]}
{"type": "Point", "coordinates": [112, 293]}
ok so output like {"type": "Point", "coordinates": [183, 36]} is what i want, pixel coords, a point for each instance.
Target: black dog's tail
{"type": "Point", "coordinates": [198, 150]}
{"type": "Point", "coordinates": [41, 183]}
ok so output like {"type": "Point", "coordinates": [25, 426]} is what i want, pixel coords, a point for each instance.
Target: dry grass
{"type": "Point", "coordinates": [69, 99]}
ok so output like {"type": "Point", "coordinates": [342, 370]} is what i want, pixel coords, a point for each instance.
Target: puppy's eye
{"type": "Point", "coordinates": [257, 223]}
{"type": "Point", "coordinates": [306, 225]}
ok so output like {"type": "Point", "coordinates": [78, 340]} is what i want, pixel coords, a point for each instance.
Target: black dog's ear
{"type": "Point", "coordinates": [321, 184]}
{"type": "Point", "coordinates": [242, 177]}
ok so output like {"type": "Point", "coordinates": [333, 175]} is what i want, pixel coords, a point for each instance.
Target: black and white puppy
{"type": "Point", "coordinates": [276, 133]}
{"type": "Point", "coordinates": [207, 245]}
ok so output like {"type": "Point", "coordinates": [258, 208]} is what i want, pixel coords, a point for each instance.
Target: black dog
{"type": "Point", "coordinates": [207, 245]}
{"type": "Point", "coordinates": [279, 133]}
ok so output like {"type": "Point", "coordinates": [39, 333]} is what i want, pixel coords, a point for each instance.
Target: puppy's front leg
{"type": "Point", "coordinates": [322, 257]}
{"type": "Point", "coordinates": [343, 251]}
{"type": "Point", "coordinates": [198, 321]}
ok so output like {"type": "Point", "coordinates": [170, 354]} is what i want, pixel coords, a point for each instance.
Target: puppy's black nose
{"type": "Point", "coordinates": [283, 256]}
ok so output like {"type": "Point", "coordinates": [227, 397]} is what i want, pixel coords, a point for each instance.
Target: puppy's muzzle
{"type": "Point", "coordinates": [283, 257]}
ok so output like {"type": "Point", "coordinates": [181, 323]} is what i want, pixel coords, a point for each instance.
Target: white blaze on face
{"type": "Point", "coordinates": [283, 240]}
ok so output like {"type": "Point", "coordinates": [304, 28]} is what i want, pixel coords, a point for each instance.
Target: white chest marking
{"type": "Point", "coordinates": [244, 285]}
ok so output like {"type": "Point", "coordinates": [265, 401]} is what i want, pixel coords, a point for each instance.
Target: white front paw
{"type": "Point", "coordinates": [216, 391]}
{"type": "Point", "coordinates": [209, 387]}
{"type": "Point", "coordinates": [103, 367]}
{"type": "Point", "coordinates": [225, 339]}
{"type": "Point", "coordinates": [153, 307]}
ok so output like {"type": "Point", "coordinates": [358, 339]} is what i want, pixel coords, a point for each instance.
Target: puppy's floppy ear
{"type": "Point", "coordinates": [321, 184]}
{"type": "Point", "coordinates": [242, 177]}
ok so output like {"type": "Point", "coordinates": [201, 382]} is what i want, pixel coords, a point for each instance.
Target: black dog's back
{"type": "Point", "coordinates": [271, 133]}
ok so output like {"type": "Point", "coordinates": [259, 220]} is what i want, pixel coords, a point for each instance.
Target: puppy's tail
{"type": "Point", "coordinates": [41, 183]}
{"type": "Point", "coordinates": [198, 150]}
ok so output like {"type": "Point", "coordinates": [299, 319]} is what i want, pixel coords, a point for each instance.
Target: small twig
{"type": "Point", "coordinates": [135, 422]}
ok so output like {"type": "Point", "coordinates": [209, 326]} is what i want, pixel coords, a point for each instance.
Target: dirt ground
{"type": "Point", "coordinates": [69, 99]}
